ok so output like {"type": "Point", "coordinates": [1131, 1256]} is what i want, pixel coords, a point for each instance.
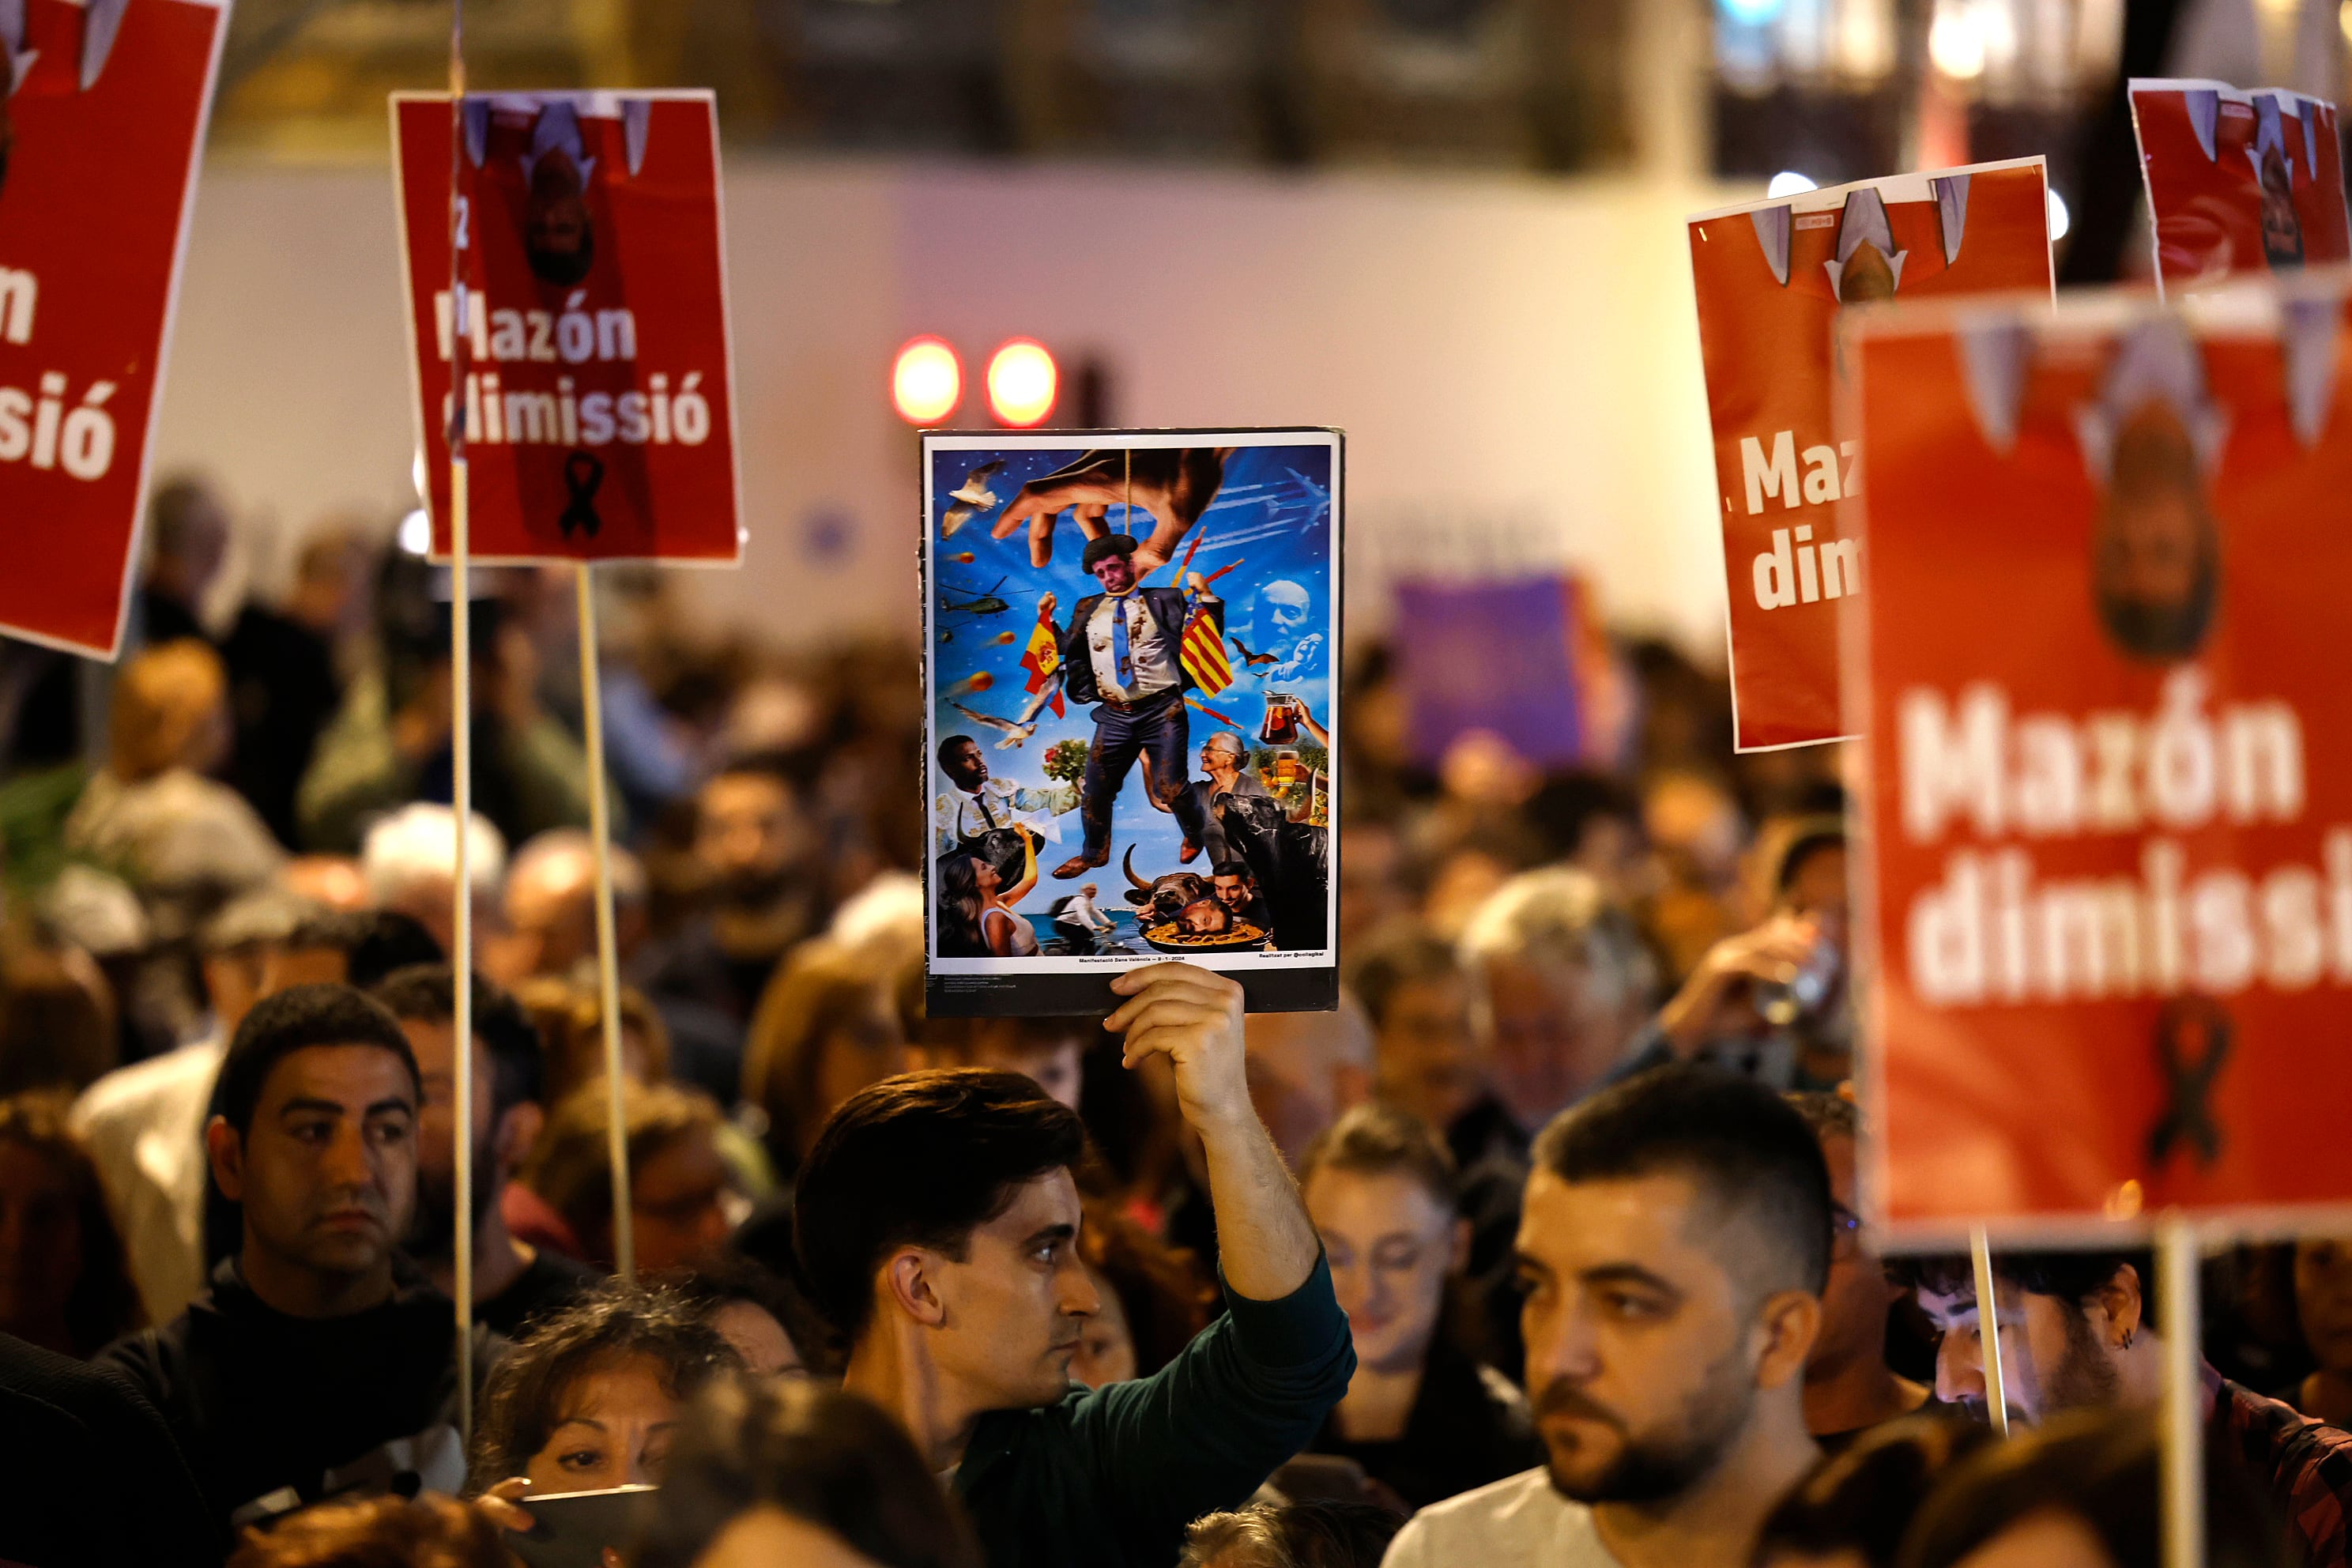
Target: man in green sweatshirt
{"type": "Point", "coordinates": [937, 1223]}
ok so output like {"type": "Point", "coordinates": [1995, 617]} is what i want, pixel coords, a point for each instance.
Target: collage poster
{"type": "Point", "coordinates": [1132, 646]}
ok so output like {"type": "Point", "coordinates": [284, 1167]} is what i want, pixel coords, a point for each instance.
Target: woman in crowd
{"type": "Point", "coordinates": [828, 1025]}
{"type": "Point", "coordinates": [1155, 1298]}
{"type": "Point", "coordinates": [1304, 1534]}
{"type": "Point", "coordinates": [426, 1532]}
{"type": "Point", "coordinates": [2081, 1491]}
{"type": "Point", "coordinates": [763, 1315]}
{"type": "Point", "coordinates": [680, 1188]}
{"type": "Point", "coordinates": [590, 1397]}
{"type": "Point", "coordinates": [186, 841]}
{"type": "Point", "coordinates": [64, 1283]}
{"type": "Point", "coordinates": [1852, 1511]}
{"type": "Point", "coordinates": [1420, 1417]}
{"type": "Point", "coordinates": [784, 1471]}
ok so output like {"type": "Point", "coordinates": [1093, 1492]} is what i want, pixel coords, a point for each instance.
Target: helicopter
{"type": "Point", "coordinates": [955, 600]}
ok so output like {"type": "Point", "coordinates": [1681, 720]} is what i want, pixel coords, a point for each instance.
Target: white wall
{"type": "Point", "coordinates": [1515, 362]}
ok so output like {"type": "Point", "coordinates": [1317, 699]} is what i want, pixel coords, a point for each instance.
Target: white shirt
{"type": "Point", "coordinates": [1148, 649]}
{"type": "Point", "coordinates": [1518, 1522]}
{"type": "Point", "coordinates": [1081, 911]}
{"type": "Point", "coordinates": [145, 1125]}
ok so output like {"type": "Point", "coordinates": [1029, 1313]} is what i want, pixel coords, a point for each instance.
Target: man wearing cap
{"type": "Point", "coordinates": [1120, 653]}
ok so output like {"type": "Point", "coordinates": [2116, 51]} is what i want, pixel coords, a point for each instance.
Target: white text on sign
{"type": "Point", "coordinates": [1795, 570]}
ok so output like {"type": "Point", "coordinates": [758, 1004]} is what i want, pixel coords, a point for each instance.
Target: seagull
{"type": "Point", "coordinates": [971, 498]}
{"type": "Point", "coordinates": [1015, 734]}
{"type": "Point", "coordinates": [1252, 660]}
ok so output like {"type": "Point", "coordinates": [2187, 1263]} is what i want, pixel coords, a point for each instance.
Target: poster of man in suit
{"type": "Point", "coordinates": [1131, 637]}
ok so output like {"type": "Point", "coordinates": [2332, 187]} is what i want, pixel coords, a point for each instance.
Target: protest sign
{"type": "Point", "coordinates": [1132, 646]}
{"type": "Point", "coordinates": [2107, 864]}
{"type": "Point", "coordinates": [102, 109]}
{"type": "Point", "coordinates": [1498, 656]}
{"type": "Point", "coordinates": [2239, 182]}
{"type": "Point", "coordinates": [598, 393]}
{"type": "Point", "coordinates": [1771, 278]}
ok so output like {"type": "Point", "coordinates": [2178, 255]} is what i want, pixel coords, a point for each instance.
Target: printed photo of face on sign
{"type": "Point", "coordinates": [1772, 281]}
{"type": "Point", "coordinates": [2239, 182]}
{"type": "Point", "coordinates": [2110, 780]}
{"type": "Point", "coordinates": [1132, 727]}
{"type": "Point", "coordinates": [596, 398]}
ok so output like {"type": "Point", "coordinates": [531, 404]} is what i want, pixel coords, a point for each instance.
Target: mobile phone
{"type": "Point", "coordinates": [571, 1530]}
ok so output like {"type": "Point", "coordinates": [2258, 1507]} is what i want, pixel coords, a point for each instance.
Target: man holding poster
{"type": "Point", "coordinates": [102, 108]}
{"type": "Point", "coordinates": [598, 399]}
{"type": "Point", "coordinates": [1772, 279]}
{"type": "Point", "coordinates": [2111, 846]}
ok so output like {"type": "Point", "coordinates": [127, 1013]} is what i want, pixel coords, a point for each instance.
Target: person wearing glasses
{"type": "Point", "coordinates": [1849, 1386]}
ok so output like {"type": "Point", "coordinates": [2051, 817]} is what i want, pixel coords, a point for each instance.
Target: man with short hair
{"type": "Point", "coordinates": [319, 1363]}
{"type": "Point", "coordinates": [753, 844]}
{"type": "Point", "coordinates": [144, 1123]}
{"type": "Point", "coordinates": [1674, 1246]}
{"type": "Point", "coordinates": [513, 1281]}
{"type": "Point", "coordinates": [1232, 886]}
{"type": "Point", "coordinates": [2079, 1330]}
{"type": "Point", "coordinates": [1849, 1387]}
{"type": "Point", "coordinates": [937, 1227]}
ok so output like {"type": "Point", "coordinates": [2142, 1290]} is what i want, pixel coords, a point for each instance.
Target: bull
{"type": "Point", "coordinates": [1163, 898]}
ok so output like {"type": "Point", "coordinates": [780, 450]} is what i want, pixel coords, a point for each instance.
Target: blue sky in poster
{"type": "Point", "coordinates": [1270, 523]}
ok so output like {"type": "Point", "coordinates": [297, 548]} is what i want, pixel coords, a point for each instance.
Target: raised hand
{"type": "Point", "coordinates": [1173, 484]}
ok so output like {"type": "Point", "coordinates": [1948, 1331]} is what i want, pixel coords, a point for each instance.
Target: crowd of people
{"type": "Point", "coordinates": [1544, 1249]}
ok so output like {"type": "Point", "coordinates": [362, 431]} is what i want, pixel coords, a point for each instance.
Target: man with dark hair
{"type": "Point", "coordinates": [559, 236]}
{"type": "Point", "coordinates": [936, 1229]}
{"type": "Point", "coordinates": [1234, 887]}
{"type": "Point", "coordinates": [1121, 655]}
{"type": "Point", "coordinates": [2079, 1329]}
{"type": "Point", "coordinates": [319, 1363]}
{"type": "Point", "coordinates": [753, 848]}
{"type": "Point", "coordinates": [1849, 1386]}
{"type": "Point", "coordinates": [982, 814]}
{"type": "Point", "coordinates": [1674, 1248]}
{"type": "Point", "coordinates": [513, 1281]}
{"type": "Point", "coordinates": [2157, 551]}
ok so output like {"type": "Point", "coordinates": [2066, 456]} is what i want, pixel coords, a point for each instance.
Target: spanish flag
{"type": "Point", "coordinates": [1043, 658]}
{"type": "Point", "coordinates": [1204, 653]}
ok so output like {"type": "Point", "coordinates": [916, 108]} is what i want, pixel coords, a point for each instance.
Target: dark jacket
{"type": "Point", "coordinates": [1469, 1426]}
{"type": "Point", "coordinates": [90, 1477]}
{"type": "Point", "coordinates": [1167, 609]}
{"type": "Point", "coordinates": [272, 1410]}
{"type": "Point", "coordinates": [1110, 1478]}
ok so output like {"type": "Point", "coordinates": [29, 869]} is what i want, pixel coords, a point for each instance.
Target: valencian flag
{"type": "Point", "coordinates": [1043, 658]}
{"type": "Point", "coordinates": [1203, 652]}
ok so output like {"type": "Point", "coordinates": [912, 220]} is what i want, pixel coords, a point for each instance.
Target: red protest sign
{"type": "Point", "coordinates": [2109, 810]}
{"type": "Point", "coordinates": [2239, 182]}
{"type": "Point", "coordinates": [599, 398]}
{"type": "Point", "coordinates": [1771, 278]}
{"type": "Point", "coordinates": [102, 108]}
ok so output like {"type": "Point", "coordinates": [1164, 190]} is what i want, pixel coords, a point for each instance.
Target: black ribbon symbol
{"type": "Point", "coordinates": [583, 475]}
{"type": "Point", "coordinates": [2192, 1043]}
